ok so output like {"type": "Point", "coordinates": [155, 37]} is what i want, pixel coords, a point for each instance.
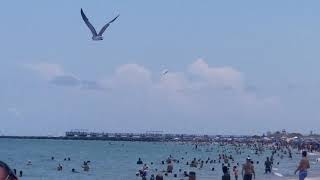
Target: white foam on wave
{"type": "Point", "coordinates": [278, 174]}
{"type": "Point", "coordinates": [312, 154]}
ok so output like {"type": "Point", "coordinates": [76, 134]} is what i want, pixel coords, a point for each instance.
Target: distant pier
{"type": "Point", "coordinates": [159, 136]}
{"type": "Point", "coordinates": [151, 136]}
{"type": "Point", "coordinates": [148, 136]}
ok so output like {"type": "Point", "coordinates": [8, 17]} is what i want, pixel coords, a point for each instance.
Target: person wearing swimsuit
{"type": "Point", "coordinates": [248, 170]}
{"type": "Point", "coordinates": [304, 165]}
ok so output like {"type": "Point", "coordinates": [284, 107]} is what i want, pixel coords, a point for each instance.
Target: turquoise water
{"type": "Point", "coordinates": [117, 160]}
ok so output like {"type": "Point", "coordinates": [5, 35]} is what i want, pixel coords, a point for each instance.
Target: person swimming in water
{"type": "Point", "coordinates": [85, 166]}
{"type": "Point", "coordinates": [59, 168]}
{"type": "Point", "coordinates": [303, 166]}
{"type": "Point", "coordinates": [194, 163]}
{"type": "Point", "coordinates": [29, 163]}
{"type": "Point", "coordinates": [152, 177]}
{"type": "Point", "coordinates": [74, 171]}
{"type": "Point", "coordinates": [170, 167]}
{"type": "Point", "coordinates": [145, 167]}
{"type": "Point", "coordinates": [139, 161]}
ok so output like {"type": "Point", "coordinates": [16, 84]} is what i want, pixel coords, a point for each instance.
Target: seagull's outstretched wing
{"type": "Point", "coordinates": [85, 19]}
{"type": "Point", "coordinates": [107, 25]}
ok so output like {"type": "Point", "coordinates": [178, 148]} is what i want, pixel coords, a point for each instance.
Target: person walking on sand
{"type": "Point", "coordinates": [303, 166]}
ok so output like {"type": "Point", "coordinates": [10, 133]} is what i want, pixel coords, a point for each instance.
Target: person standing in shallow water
{"type": "Point", "coordinates": [235, 172]}
{"type": "Point", "coordinates": [226, 175]}
{"type": "Point", "coordinates": [268, 166]}
{"type": "Point", "coordinates": [248, 170]}
{"type": "Point", "coordinates": [303, 166]}
{"type": "Point", "coordinates": [159, 177]}
{"type": "Point", "coordinates": [169, 167]}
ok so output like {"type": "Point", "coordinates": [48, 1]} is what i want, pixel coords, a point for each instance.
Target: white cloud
{"type": "Point", "coordinates": [47, 70]}
{"type": "Point", "coordinates": [199, 80]}
{"type": "Point", "coordinates": [175, 81]}
{"type": "Point", "coordinates": [200, 85]}
{"type": "Point", "coordinates": [218, 77]}
{"type": "Point", "coordinates": [133, 75]}
{"type": "Point", "coordinates": [200, 96]}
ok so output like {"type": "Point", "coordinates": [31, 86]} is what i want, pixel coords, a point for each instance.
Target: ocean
{"type": "Point", "coordinates": [117, 160]}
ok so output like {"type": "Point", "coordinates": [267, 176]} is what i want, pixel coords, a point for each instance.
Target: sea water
{"type": "Point", "coordinates": [117, 160]}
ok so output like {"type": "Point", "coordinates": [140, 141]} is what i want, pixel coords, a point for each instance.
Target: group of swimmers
{"type": "Point", "coordinates": [85, 166]}
{"type": "Point", "coordinates": [228, 163]}
{"type": "Point", "coordinates": [9, 174]}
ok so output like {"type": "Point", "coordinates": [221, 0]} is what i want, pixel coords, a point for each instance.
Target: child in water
{"type": "Point", "coordinates": [235, 172]}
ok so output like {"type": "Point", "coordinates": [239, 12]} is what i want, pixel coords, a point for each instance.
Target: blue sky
{"type": "Point", "coordinates": [235, 67]}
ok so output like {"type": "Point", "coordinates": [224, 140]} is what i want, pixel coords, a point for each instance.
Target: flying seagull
{"type": "Point", "coordinates": [95, 36]}
{"type": "Point", "coordinates": [164, 72]}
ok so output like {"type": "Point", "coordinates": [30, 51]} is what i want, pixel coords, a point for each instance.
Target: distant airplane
{"type": "Point", "coordinates": [95, 36]}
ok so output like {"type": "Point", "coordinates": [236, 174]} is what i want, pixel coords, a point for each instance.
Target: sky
{"type": "Point", "coordinates": [234, 67]}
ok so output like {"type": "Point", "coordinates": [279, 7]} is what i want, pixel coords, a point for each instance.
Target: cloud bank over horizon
{"type": "Point", "coordinates": [56, 75]}
{"type": "Point", "coordinates": [200, 99]}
